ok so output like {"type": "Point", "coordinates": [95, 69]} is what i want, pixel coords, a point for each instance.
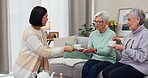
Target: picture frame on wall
{"type": "Point", "coordinates": [53, 35]}
{"type": "Point", "coordinates": [146, 20]}
{"type": "Point", "coordinates": [146, 14]}
{"type": "Point", "coordinates": [123, 29]}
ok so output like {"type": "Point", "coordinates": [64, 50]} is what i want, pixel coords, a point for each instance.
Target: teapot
{"type": "Point", "coordinates": [42, 74]}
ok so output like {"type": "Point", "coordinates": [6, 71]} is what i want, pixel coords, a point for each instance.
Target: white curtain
{"type": "Point", "coordinates": [19, 13]}
{"type": "Point", "coordinates": [58, 15]}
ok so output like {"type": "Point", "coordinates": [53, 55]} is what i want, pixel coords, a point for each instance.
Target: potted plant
{"type": "Point", "coordinates": [112, 25]}
{"type": "Point", "coordinates": [86, 29]}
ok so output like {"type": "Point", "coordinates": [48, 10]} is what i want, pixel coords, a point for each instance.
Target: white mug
{"type": "Point", "coordinates": [111, 43]}
{"type": "Point", "coordinates": [77, 46]}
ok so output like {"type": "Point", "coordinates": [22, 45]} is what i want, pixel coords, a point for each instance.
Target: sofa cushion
{"type": "Point", "coordinates": [58, 42]}
{"type": "Point", "coordinates": [77, 70]}
{"type": "Point", "coordinates": [76, 54]}
{"type": "Point", "coordinates": [83, 41]}
{"type": "Point", "coordinates": [67, 61]}
{"type": "Point", "coordinates": [67, 66]}
{"type": "Point", "coordinates": [67, 71]}
{"type": "Point", "coordinates": [61, 68]}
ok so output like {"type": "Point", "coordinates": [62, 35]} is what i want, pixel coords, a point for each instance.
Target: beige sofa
{"type": "Point", "coordinates": [74, 69]}
{"type": "Point", "coordinates": [57, 64]}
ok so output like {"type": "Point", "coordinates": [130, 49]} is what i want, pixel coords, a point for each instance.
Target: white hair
{"type": "Point", "coordinates": [104, 15]}
{"type": "Point", "coordinates": [137, 12]}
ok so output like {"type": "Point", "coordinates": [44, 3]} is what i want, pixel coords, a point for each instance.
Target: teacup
{"type": "Point", "coordinates": [111, 43]}
{"type": "Point", "coordinates": [77, 46]}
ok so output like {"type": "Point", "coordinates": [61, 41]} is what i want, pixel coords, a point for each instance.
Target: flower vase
{"type": "Point", "coordinates": [113, 28]}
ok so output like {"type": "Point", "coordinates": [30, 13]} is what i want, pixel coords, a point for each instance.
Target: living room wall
{"type": "Point", "coordinates": [113, 6]}
{"type": "Point", "coordinates": [78, 9]}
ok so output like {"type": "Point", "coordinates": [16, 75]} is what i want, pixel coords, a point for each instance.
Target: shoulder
{"type": "Point", "coordinates": [42, 30]}
{"type": "Point", "coordinates": [145, 32]}
{"type": "Point", "coordinates": [94, 33]}
{"type": "Point", "coordinates": [110, 31]}
{"type": "Point", "coordinates": [27, 32]}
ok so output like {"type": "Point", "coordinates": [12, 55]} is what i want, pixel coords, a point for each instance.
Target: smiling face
{"type": "Point", "coordinates": [133, 23]}
{"type": "Point", "coordinates": [99, 23]}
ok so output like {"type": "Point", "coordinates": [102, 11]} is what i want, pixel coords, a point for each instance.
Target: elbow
{"type": "Point", "coordinates": [140, 60]}
{"type": "Point", "coordinates": [44, 52]}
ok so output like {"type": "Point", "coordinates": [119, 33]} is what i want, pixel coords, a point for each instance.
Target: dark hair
{"type": "Point", "coordinates": [36, 15]}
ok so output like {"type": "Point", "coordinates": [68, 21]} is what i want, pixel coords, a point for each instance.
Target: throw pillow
{"type": "Point", "coordinates": [83, 41]}
{"type": "Point", "coordinates": [76, 54]}
{"type": "Point", "coordinates": [58, 42]}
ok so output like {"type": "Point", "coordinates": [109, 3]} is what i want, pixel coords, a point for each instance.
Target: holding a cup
{"type": "Point", "coordinates": [77, 46]}
{"type": "Point", "coordinates": [111, 43]}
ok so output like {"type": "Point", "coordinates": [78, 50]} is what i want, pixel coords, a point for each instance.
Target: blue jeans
{"type": "Point", "coordinates": [92, 68]}
{"type": "Point", "coordinates": [119, 70]}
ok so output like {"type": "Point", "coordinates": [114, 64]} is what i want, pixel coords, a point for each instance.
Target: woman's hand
{"type": "Point", "coordinates": [89, 50]}
{"type": "Point", "coordinates": [118, 41]}
{"type": "Point", "coordinates": [69, 48]}
{"type": "Point", "coordinates": [119, 47]}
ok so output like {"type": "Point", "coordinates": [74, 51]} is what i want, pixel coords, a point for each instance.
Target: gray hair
{"type": "Point", "coordinates": [137, 12]}
{"type": "Point", "coordinates": [104, 15]}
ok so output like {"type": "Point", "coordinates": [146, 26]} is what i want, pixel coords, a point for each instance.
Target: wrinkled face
{"type": "Point", "coordinates": [99, 23]}
{"type": "Point", "coordinates": [133, 23]}
{"type": "Point", "coordinates": [44, 19]}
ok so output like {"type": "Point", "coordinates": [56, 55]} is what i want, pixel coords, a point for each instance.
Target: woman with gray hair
{"type": "Point", "coordinates": [134, 50]}
{"type": "Point", "coordinates": [102, 55]}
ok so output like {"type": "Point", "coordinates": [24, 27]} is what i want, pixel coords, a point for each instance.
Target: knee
{"type": "Point", "coordinates": [105, 73]}
{"type": "Point", "coordinates": [85, 67]}
{"type": "Point", "coordinates": [93, 69]}
{"type": "Point", "coordinates": [114, 75]}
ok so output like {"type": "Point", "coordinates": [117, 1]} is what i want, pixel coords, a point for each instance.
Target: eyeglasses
{"type": "Point", "coordinates": [98, 22]}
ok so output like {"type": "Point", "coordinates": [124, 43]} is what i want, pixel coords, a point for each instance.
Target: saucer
{"type": "Point", "coordinates": [80, 49]}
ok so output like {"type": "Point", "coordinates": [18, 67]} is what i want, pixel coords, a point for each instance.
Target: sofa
{"type": "Point", "coordinates": [69, 67]}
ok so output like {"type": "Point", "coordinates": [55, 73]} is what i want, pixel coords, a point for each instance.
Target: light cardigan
{"type": "Point", "coordinates": [34, 53]}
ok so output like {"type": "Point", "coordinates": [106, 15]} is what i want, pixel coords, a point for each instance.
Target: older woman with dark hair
{"type": "Point", "coordinates": [34, 51]}
{"type": "Point", "coordinates": [98, 46]}
{"type": "Point", "coordinates": [134, 50]}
